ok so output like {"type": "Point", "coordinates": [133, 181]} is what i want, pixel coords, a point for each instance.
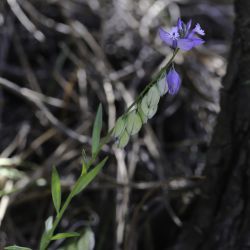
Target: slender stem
{"type": "Point", "coordinates": [104, 141]}
{"type": "Point", "coordinates": [153, 80]}
{"type": "Point", "coordinates": [59, 217]}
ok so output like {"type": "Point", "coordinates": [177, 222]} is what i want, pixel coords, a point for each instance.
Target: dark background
{"type": "Point", "coordinates": [59, 59]}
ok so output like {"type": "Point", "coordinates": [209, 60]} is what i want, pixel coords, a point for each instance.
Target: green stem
{"type": "Point", "coordinates": [104, 141]}
{"type": "Point", "coordinates": [153, 81]}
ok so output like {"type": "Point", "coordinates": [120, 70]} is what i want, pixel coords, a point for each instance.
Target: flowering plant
{"type": "Point", "coordinates": [180, 37]}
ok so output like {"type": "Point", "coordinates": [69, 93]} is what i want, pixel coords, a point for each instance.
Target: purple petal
{"type": "Point", "coordinates": [199, 30]}
{"type": "Point", "coordinates": [197, 41]}
{"type": "Point", "coordinates": [189, 25]}
{"type": "Point", "coordinates": [185, 44]}
{"type": "Point", "coordinates": [165, 37]}
{"type": "Point", "coordinates": [190, 34]}
{"type": "Point", "coordinates": [174, 82]}
{"type": "Point", "coordinates": [179, 24]}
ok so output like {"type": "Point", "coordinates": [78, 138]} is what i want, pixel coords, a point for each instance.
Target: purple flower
{"type": "Point", "coordinates": [174, 81]}
{"type": "Point", "coordinates": [182, 37]}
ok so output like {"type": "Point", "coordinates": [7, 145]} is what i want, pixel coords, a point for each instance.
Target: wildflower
{"type": "Point", "coordinates": [182, 37]}
{"type": "Point", "coordinates": [173, 81]}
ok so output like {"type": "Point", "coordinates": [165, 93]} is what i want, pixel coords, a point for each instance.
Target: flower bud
{"type": "Point", "coordinates": [174, 81]}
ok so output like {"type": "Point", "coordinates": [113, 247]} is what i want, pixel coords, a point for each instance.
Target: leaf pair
{"type": "Point", "coordinates": [81, 183]}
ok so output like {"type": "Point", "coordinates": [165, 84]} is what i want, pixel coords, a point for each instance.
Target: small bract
{"type": "Point", "coordinates": [150, 102]}
{"type": "Point", "coordinates": [123, 140]}
{"type": "Point", "coordinates": [119, 126]}
{"type": "Point", "coordinates": [143, 117]}
{"type": "Point", "coordinates": [134, 123]}
{"type": "Point", "coordinates": [162, 86]}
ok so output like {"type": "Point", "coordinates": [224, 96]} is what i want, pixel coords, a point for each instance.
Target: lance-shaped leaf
{"type": "Point", "coordinates": [119, 126]}
{"type": "Point", "coordinates": [134, 123]}
{"type": "Point", "coordinates": [96, 135]}
{"type": "Point", "coordinates": [84, 180]}
{"type": "Point", "coordinates": [162, 86]}
{"type": "Point", "coordinates": [123, 139]}
{"type": "Point", "coordinates": [56, 189]}
{"type": "Point", "coordinates": [65, 235]}
{"type": "Point", "coordinates": [150, 101]}
{"type": "Point", "coordinates": [16, 248]}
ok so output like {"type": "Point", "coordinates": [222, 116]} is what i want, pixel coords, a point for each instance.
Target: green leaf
{"type": "Point", "coordinates": [46, 234]}
{"type": "Point", "coordinates": [96, 135]}
{"type": "Point", "coordinates": [45, 240]}
{"type": "Point", "coordinates": [123, 140]}
{"type": "Point", "coordinates": [143, 117]}
{"type": "Point", "coordinates": [150, 101]}
{"type": "Point", "coordinates": [134, 123]}
{"type": "Point", "coordinates": [65, 235]}
{"type": "Point", "coordinates": [84, 167]}
{"type": "Point", "coordinates": [119, 126]}
{"type": "Point", "coordinates": [84, 162]}
{"type": "Point", "coordinates": [153, 96]}
{"type": "Point", "coordinates": [84, 180]}
{"type": "Point", "coordinates": [56, 189]}
{"type": "Point", "coordinates": [85, 242]}
{"type": "Point", "coordinates": [162, 86]}
{"type": "Point", "coordinates": [16, 248]}
{"type": "Point", "coordinates": [149, 111]}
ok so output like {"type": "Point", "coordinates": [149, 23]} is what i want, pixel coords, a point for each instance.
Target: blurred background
{"type": "Point", "coordinates": [58, 60]}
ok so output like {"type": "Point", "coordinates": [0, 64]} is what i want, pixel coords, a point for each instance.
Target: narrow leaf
{"type": "Point", "coordinates": [97, 130]}
{"type": "Point", "coordinates": [65, 235]}
{"type": "Point", "coordinates": [16, 248]}
{"type": "Point", "coordinates": [56, 189]}
{"type": "Point", "coordinates": [84, 180]}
